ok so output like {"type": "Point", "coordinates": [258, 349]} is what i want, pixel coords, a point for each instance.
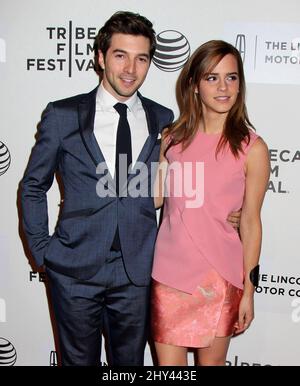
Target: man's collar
{"type": "Point", "coordinates": [105, 100]}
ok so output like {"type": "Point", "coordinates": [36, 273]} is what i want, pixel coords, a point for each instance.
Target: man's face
{"type": "Point", "coordinates": [125, 65]}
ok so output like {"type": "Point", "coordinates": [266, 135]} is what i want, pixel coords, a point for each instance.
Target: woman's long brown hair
{"type": "Point", "coordinates": [237, 125]}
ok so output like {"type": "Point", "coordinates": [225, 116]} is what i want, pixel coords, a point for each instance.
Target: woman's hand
{"type": "Point", "coordinates": [246, 313]}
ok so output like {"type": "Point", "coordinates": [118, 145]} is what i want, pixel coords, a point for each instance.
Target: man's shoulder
{"type": "Point", "coordinates": [75, 99]}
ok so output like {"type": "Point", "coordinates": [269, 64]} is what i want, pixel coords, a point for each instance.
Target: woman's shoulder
{"type": "Point", "coordinates": [166, 135]}
{"type": "Point", "coordinates": [255, 142]}
{"type": "Point", "coordinates": [257, 147]}
{"type": "Point", "coordinates": [166, 138]}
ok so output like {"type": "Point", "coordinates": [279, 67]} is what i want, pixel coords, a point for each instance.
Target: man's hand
{"type": "Point", "coordinates": [234, 219]}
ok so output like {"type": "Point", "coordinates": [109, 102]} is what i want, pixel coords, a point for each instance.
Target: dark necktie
{"type": "Point", "coordinates": [123, 149]}
{"type": "Point", "coordinates": [123, 146]}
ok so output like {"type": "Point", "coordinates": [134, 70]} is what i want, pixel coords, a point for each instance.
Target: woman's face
{"type": "Point", "coordinates": [218, 90]}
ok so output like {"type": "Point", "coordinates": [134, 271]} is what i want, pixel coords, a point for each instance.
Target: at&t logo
{"type": "Point", "coordinates": [4, 158]}
{"type": "Point", "coordinates": [8, 354]}
{"type": "Point", "coordinates": [172, 51]}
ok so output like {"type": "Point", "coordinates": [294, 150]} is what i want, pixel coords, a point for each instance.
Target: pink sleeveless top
{"type": "Point", "coordinates": [194, 235]}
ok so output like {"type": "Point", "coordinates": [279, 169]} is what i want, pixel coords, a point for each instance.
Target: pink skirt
{"type": "Point", "coordinates": [194, 320]}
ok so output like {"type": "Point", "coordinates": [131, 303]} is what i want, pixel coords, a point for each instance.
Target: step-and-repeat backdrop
{"type": "Point", "coordinates": [46, 54]}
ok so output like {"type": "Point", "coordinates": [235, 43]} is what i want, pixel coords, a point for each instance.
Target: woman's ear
{"type": "Point", "coordinates": [196, 90]}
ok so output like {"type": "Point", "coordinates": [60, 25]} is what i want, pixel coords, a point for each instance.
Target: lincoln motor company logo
{"type": "Point", "coordinates": [240, 45]}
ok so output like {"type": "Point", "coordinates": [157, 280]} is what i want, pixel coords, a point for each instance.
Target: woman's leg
{"type": "Point", "coordinates": [215, 355]}
{"type": "Point", "coordinates": [169, 355]}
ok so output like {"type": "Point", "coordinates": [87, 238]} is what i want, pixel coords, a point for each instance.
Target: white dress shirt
{"type": "Point", "coordinates": [106, 124]}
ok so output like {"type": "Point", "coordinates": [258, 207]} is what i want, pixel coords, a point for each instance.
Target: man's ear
{"type": "Point", "coordinates": [101, 60]}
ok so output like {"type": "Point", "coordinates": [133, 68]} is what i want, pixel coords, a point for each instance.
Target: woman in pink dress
{"type": "Point", "coordinates": [211, 163]}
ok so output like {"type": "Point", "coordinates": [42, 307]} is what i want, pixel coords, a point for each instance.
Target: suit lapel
{"type": "Point", "coordinates": [153, 131]}
{"type": "Point", "coordinates": [86, 116]}
{"type": "Point", "coordinates": [151, 140]}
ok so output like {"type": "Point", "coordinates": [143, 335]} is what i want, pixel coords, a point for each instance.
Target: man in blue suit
{"type": "Point", "coordinates": [99, 259]}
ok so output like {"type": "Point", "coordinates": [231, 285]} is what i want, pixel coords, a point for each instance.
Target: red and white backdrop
{"type": "Point", "coordinates": [46, 54]}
